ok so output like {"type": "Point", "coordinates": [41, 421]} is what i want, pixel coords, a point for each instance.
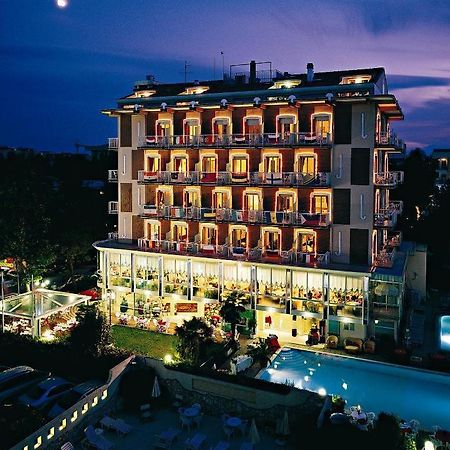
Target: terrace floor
{"type": "Point", "coordinates": [143, 434]}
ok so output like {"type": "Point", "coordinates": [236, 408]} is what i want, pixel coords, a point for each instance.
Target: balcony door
{"type": "Point", "coordinates": [220, 200]}
{"type": "Point", "coordinates": [285, 202]}
{"type": "Point", "coordinates": [320, 204]}
{"type": "Point", "coordinates": [180, 232]}
{"type": "Point", "coordinates": [191, 128]}
{"type": "Point", "coordinates": [252, 126]}
{"type": "Point", "coordinates": [286, 126]}
{"type": "Point", "coordinates": [271, 240]}
{"type": "Point", "coordinates": [239, 165]}
{"type": "Point", "coordinates": [209, 235]}
{"type": "Point", "coordinates": [306, 242]}
{"type": "Point", "coordinates": [191, 198]}
{"type": "Point", "coordinates": [164, 198]}
{"type": "Point", "coordinates": [209, 164]}
{"type": "Point", "coordinates": [321, 125]}
{"type": "Point", "coordinates": [179, 164]}
{"type": "Point", "coordinates": [221, 126]}
{"type": "Point", "coordinates": [163, 128]}
{"type": "Point", "coordinates": [252, 201]}
{"type": "Point", "coordinates": [239, 239]}
{"type": "Point", "coordinates": [306, 164]}
{"type": "Point", "coordinates": [272, 164]}
{"type": "Point", "coordinates": [152, 164]}
{"type": "Point", "coordinates": [153, 231]}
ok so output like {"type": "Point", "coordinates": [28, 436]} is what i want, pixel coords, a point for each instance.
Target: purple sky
{"type": "Point", "coordinates": [59, 67]}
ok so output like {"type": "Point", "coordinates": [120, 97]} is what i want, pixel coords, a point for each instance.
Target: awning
{"type": "Point", "coordinates": [222, 121]}
{"type": "Point", "coordinates": [253, 121]}
{"type": "Point", "coordinates": [287, 119]}
{"type": "Point", "coordinates": [322, 118]}
{"type": "Point", "coordinates": [193, 122]}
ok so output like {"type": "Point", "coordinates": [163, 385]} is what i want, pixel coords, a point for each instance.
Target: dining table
{"type": "Point", "coordinates": [233, 422]}
{"type": "Point", "coordinates": [191, 412]}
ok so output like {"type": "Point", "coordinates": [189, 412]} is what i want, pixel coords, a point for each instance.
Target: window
{"type": "Point", "coordinates": [191, 127]}
{"type": "Point", "coordinates": [209, 235]}
{"type": "Point", "coordinates": [209, 164]}
{"type": "Point", "coordinates": [285, 202]}
{"type": "Point", "coordinates": [306, 242]}
{"type": "Point", "coordinates": [153, 231]}
{"type": "Point", "coordinates": [179, 232]}
{"type": "Point", "coordinates": [180, 164]}
{"type": "Point", "coordinates": [251, 201]}
{"type": "Point", "coordinates": [239, 164]}
{"type": "Point", "coordinates": [221, 126]}
{"type": "Point", "coordinates": [272, 241]}
{"type": "Point", "coordinates": [307, 164]}
{"type": "Point", "coordinates": [152, 164]}
{"type": "Point", "coordinates": [239, 237]}
{"type": "Point", "coordinates": [273, 164]}
{"type": "Point", "coordinates": [220, 200]}
{"type": "Point", "coordinates": [163, 128]}
{"type": "Point", "coordinates": [320, 204]}
{"type": "Point", "coordinates": [286, 125]}
{"type": "Point", "coordinates": [349, 327]}
{"type": "Point", "coordinates": [321, 125]}
{"type": "Point", "coordinates": [191, 198]}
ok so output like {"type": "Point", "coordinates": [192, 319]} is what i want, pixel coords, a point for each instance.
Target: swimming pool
{"type": "Point", "coordinates": [405, 392]}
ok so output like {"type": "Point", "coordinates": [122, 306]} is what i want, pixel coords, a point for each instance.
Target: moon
{"type": "Point", "coordinates": [61, 3]}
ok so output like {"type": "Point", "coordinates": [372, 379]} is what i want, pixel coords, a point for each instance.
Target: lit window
{"type": "Point", "coordinates": [273, 164]}
{"type": "Point", "coordinates": [320, 204]}
{"type": "Point", "coordinates": [349, 327]}
{"type": "Point", "coordinates": [239, 164]}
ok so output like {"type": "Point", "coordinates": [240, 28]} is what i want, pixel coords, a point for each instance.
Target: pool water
{"type": "Point", "coordinates": [445, 333]}
{"type": "Point", "coordinates": [407, 393]}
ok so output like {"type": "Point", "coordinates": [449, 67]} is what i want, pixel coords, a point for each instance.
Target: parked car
{"type": "Point", "coordinates": [44, 392]}
{"type": "Point", "coordinates": [18, 379]}
{"type": "Point", "coordinates": [70, 398]}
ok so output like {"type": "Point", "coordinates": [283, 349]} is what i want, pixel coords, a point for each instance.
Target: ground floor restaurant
{"type": "Point", "coordinates": [160, 291]}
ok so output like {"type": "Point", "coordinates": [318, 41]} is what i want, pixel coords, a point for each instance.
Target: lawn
{"type": "Point", "coordinates": [148, 343]}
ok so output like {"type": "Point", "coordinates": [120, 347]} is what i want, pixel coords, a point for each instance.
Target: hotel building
{"type": "Point", "coordinates": [274, 184]}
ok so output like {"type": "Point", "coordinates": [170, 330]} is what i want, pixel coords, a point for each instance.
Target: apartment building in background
{"type": "Point", "coordinates": [441, 158]}
{"type": "Point", "coordinates": [277, 185]}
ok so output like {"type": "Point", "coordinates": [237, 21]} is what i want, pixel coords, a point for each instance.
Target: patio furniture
{"type": "Point", "coordinates": [97, 441]}
{"type": "Point", "coordinates": [222, 445]}
{"type": "Point", "coordinates": [178, 401]}
{"type": "Point", "coordinates": [145, 412]}
{"type": "Point", "coordinates": [197, 420]}
{"type": "Point", "coordinates": [332, 341]}
{"type": "Point", "coordinates": [117, 425]}
{"type": "Point", "coordinates": [166, 438]}
{"type": "Point", "coordinates": [233, 422]}
{"type": "Point", "coordinates": [247, 446]}
{"type": "Point", "coordinates": [185, 422]}
{"type": "Point", "coordinates": [353, 345]}
{"type": "Point", "coordinates": [195, 442]}
{"type": "Point", "coordinates": [67, 446]}
{"type": "Point", "coordinates": [191, 412]}
{"type": "Point", "coordinates": [228, 431]}
{"type": "Point", "coordinates": [369, 346]}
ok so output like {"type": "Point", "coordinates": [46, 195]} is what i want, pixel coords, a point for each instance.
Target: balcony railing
{"type": "Point", "coordinates": [388, 178]}
{"type": "Point", "coordinates": [236, 140]}
{"type": "Point", "coordinates": [293, 179]}
{"type": "Point", "coordinates": [231, 252]}
{"type": "Point", "coordinates": [305, 219]}
{"type": "Point", "coordinates": [384, 311]}
{"type": "Point", "coordinates": [385, 258]}
{"type": "Point", "coordinates": [113, 143]}
{"type": "Point", "coordinates": [113, 207]}
{"type": "Point", "coordinates": [112, 176]}
{"type": "Point", "coordinates": [113, 236]}
{"type": "Point", "coordinates": [387, 217]}
{"type": "Point", "coordinates": [394, 239]}
{"type": "Point", "coordinates": [390, 139]}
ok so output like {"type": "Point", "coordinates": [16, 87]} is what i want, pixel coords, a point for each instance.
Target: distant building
{"type": "Point", "coordinates": [441, 156]}
{"type": "Point", "coordinates": [276, 185]}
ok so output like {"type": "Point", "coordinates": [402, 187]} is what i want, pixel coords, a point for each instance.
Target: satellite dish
{"type": "Point", "coordinates": [329, 97]}
{"type": "Point", "coordinates": [256, 101]}
{"type": "Point", "coordinates": [193, 104]}
{"type": "Point", "coordinates": [292, 99]}
{"type": "Point", "coordinates": [224, 103]}
{"type": "Point", "coordinates": [163, 106]}
{"type": "Point", "coordinates": [137, 107]}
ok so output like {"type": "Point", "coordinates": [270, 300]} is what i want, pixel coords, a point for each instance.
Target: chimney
{"type": "Point", "coordinates": [252, 79]}
{"type": "Point", "coordinates": [309, 72]}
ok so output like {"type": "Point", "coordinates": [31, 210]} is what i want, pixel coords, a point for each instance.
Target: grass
{"type": "Point", "coordinates": [143, 342]}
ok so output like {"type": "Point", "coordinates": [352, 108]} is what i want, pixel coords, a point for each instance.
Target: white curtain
{"type": "Point", "coordinates": [263, 275]}
{"type": "Point", "coordinates": [169, 264]}
{"type": "Point", "coordinates": [355, 283]}
{"type": "Point", "coordinates": [198, 268]}
{"type": "Point", "coordinates": [315, 280]}
{"type": "Point", "coordinates": [211, 269]}
{"type": "Point", "coordinates": [337, 282]}
{"type": "Point", "coordinates": [244, 273]}
{"type": "Point", "coordinates": [279, 276]}
{"type": "Point", "coordinates": [229, 272]}
{"type": "Point", "coordinates": [299, 278]}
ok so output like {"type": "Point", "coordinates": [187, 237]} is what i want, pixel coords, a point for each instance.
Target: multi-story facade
{"type": "Point", "coordinates": [277, 186]}
{"type": "Point", "coordinates": [441, 156]}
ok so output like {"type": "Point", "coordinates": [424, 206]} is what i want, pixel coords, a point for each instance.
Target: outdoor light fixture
{"type": "Point", "coordinates": [62, 3]}
{"type": "Point", "coordinates": [428, 445]}
{"type": "Point", "coordinates": [322, 392]}
{"type": "Point", "coordinates": [168, 359]}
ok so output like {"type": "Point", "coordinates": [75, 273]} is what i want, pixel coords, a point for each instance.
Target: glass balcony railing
{"type": "Point", "coordinates": [305, 219]}
{"type": "Point", "coordinates": [291, 179]}
{"type": "Point", "coordinates": [390, 139]}
{"type": "Point", "coordinates": [113, 176]}
{"type": "Point", "coordinates": [113, 207]}
{"type": "Point", "coordinates": [236, 140]}
{"type": "Point", "coordinates": [113, 143]}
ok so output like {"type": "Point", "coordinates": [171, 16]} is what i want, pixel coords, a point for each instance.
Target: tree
{"type": "Point", "coordinates": [231, 311]}
{"type": "Point", "coordinates": [260, 352]}
{"type": "Point", "coordinates": [191, 335]}
{"type": "Point", "coordinates": [92, 334]}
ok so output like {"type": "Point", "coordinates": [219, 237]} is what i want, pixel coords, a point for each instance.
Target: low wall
{"type": "Point", "coordinates": [60, 427]}
{"type": "Point", "coordinates": [218, 397]}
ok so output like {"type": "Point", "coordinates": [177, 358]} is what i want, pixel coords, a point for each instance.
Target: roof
{"type": "Point", "coordinates": [440, 152]}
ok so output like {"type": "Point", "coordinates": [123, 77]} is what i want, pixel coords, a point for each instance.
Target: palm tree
{"type": "Point", "coordinates": [191, 334]}
{"type": "Point", "coordinates": [231, 311]}
{"type": "Point", "coordinates": [260, 352]}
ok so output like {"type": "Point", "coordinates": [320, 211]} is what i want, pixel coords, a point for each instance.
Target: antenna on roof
{"type": "Point", "coordinates": [186, 71]}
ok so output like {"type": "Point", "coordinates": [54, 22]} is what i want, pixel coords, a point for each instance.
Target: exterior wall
{"type": "Point", "coordinates": [416, 271]}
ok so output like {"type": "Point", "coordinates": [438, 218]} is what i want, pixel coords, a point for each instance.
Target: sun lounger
{"type": "Point", "coordinates": [117, 425]}
{"type": "Point", "coordinates": [247, 446]}
{"type": "Point", "coordinates": [67, 446]}
{"type": "Point", "coordinates": [195, 442]}
{"type": "Point", "coordinates": [96, 440]}
{"type": "Point", "coordinates": [222, 445]}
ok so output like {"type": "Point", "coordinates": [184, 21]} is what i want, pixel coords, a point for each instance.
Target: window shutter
{"type": "Point", "coordinates": [125, 130]}
{"type": "Point", "coordinates": [360, 166]}
{"type": "Point", "coordinates": [343, 123]}
{"type": "Point", "coordinates": [359, 246]}
{"type": "Point", "coordinates": [341, 206]}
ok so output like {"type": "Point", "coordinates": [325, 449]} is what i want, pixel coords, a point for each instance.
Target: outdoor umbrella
{"type": "Point", "coordinates": [386, 289]}
{"type": "Point", "coordinates": [254, 435]}
{"type": "Point", "coordinates": [284, 424]}
{"type": "Point", "coordinates": [156, 392]}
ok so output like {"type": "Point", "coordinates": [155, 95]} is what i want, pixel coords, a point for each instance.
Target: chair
{"type": "Point", "coordinates": [353, 345]}
{"type": "Point", "coordinates": [185, 422]}
{"type": "Point", "coordinates": [178, 401]}
{"type": "Point", "coordinates": [96, 440]}
{"type": "Point", "coordinates": [196, 442]}
{"type": "Point", "coordinates": [370, 418]}
{"type": "Point", "coordinates": [247, 446]}
{"type": "Point", "coordinates": [228, 432]}
{"type": "Point", "coordinates": [145, 413]}
{"type": "Point", "coordinates": [243, 427]}
{"type": "Point", "coordinates": [117, 425]}
{"type": "Point", "coordinates": [67, 446]}
{"type": "Point", "coordinates": [332, 341]}
{"type": "Point", "coordinates": [222, 445]}
{"type": "Point", "coordinates": [197, 420]}
{"type": "Point", "coordinates": [369, 346]}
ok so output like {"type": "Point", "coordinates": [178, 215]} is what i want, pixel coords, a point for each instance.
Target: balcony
{"type": "Point", "coordinates": [112, 176]}
{"type": "Point", "coordinates": [384, 311]}
{"type": "Point", "coordinates": [388, 179]}
{"type": "Point", "coordinates": [113, 207]}
{"type": "Point", "coordinates": [387, 217]}
{"type": "Point", "coordinates": [113, 236]}
{"type": "Point", "coordinates": [286, 179]}
{"type": "Point", "coordinates": [385, 259]}
{"type": "Point", "coordinates": [230, 252]}
{"type": "Point", "coordinates": [390, 140]}
{"type": "Point", "coordinates": [113, 143]}
{"type": "Point", "coordinates": [394, 239]}
{"type": "Point", "coordinates": [227, 215]}
{"type": "Point", "coordinates": [236, 140]}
